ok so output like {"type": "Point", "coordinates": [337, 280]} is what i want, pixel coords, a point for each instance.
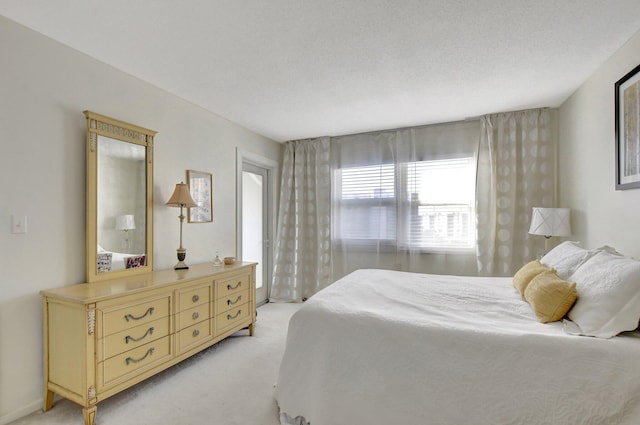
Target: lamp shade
{"type": "Point", "coordinates": [550, 222]}
{"type": "Point", "coordinates": [181, 197]}
{"type": "Point", "coordinates": [125, 222]}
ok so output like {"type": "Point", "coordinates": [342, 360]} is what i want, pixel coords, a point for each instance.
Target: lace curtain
{"type": "Point", "coordinates": [389, 209]}
{"type": "Point", "coordinates": [516, 172]}
{"type": "Point", "coordinates": [303, 242]}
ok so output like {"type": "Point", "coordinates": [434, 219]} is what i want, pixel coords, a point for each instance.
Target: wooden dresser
{"type": "Point", "coordinates": [101, 338]}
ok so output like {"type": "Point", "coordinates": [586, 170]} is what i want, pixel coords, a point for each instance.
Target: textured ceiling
{"type": "Point", "coordinates": [291, 69]}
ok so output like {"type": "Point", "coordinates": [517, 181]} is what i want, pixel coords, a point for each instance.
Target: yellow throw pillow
{"type": "Point", "coordinates": [523, 276]}
{"type": "Point", "coordinates": [550, 297]}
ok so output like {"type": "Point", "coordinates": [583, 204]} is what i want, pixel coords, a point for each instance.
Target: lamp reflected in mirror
{"type": "Point", "coordinates": [181, 198]}
{"type": "Point", "coordinates": [125, 223]}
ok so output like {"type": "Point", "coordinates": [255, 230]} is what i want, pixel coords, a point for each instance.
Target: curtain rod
{"type": "Point", "coordinates": [401, 128]}
{"type": "Point", "coordinates": [466, 119]}
{"type": "Point", "coordinates": [477, 117]}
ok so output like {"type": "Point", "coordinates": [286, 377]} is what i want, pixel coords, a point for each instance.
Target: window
{"type": "Point", "coordinates": [423, 205]}
{"type": "Point", "coordinates": [367, 204]}
{"type": "Point", "coordinates": [441, 198]}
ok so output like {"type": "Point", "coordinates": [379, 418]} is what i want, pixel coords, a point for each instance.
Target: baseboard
{"type": "Point", "coordinates": [22, 412]}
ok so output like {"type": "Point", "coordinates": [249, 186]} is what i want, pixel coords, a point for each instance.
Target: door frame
{"type": "Point", "coordinates": [245, 157]}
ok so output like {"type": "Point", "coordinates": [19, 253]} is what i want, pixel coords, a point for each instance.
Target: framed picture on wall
{"type": "Point", "coordinates": [201, 189]}
{"type": "Point", "coordinates": [627, 95]}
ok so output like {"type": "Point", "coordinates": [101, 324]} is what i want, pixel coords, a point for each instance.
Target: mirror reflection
{"type": "Point", "coordinates": [121, 209]}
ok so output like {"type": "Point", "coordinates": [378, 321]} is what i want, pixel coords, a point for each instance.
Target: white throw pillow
{"type": "Point", "coordinates": [608, 302]}
{"type": "Point", "coordinates": [566, 258]}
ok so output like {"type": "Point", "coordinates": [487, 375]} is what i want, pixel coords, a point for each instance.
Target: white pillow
{"type": "Point", "coordinates": [609, 249]}
{"type": "Point", "coordinates": [608, 302]}
{"type": "Point", "coordinates": [566, 258]}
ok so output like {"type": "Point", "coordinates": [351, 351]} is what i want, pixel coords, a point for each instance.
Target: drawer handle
{"type": "Point", "coordinates": [132, 317]}
{"type": "Point", "coordinates": [229, 302]}
{"type": "Point", "coordinates": [196, 333]}
{"type": "Point", "coordinates": [195, 315]}
{"type": "Point", "coordinates": [132, 360]}
{"type": "Point", "coordinates": [230, 317]}
{"type": "Point", "coordinates": [230, 288]}
{"type": "Point", "coordinates": [130, 338]}
{"type": "Point", "coordinates": [195, 298]}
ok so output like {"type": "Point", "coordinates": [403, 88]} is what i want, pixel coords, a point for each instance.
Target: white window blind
{"type": "Point", "coordinates": [369, 182]}
{"type": "Point", "coordinates": [367, 203]}
{"type": "Point", "coordinates": [416, 205]}
{"type": "Point", "coordinates": [441, 197]}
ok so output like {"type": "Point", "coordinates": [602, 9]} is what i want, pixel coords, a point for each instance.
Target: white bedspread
{"type": "Point", "coordinates": [383, 348]}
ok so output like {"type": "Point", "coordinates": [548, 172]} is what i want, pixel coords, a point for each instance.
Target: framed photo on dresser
{"type": "Point", "coordinates": [104, 262]}
{"type": "Point", "coordinates": [135, 261]}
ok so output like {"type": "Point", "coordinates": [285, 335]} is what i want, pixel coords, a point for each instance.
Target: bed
{"type": "Point", "coordinates": [386, 347]}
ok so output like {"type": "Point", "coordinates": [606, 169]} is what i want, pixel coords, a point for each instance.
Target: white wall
{"type": "Point", "coordinates": [600, 214]}
{"type": "Point", "coordinates": [44, 87]}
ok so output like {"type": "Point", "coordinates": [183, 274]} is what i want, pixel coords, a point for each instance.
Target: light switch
{"type": "Point", "coordinates": [18, 224]}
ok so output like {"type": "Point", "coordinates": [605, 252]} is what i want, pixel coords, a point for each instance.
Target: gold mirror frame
{"type": "Point", "coordinates": [100, 125]}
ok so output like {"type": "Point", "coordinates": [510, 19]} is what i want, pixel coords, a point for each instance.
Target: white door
{"type": "Point", "coordinates": [255, 223]}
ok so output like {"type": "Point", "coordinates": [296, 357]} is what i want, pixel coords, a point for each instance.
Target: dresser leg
{"type": "Point", "coordinates": [251, 329]}
{"type": "Point", "coordinates": [48, 400]}
{"type": "Point", "coordinates": [89, 414]}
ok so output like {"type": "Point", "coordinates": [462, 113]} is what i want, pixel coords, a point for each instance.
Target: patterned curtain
{"type": "Point", "coordinates": [516, 172]}
{"type": "Point", "coordinates": [303, 240]}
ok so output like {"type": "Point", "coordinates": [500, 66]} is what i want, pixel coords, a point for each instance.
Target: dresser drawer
{"type": "Point", "coordinates": [193, 315]}
{"type": "Point", "coordinates": [229, 286]}
{"type": "Point", "coordinates": [132, 338]}
{"type": "Point", "coordinates": [195, 334]}
{"type": "Point", "coordinates": [134, 361]}
{"type": "Point", "coordinates": [233, 300]}
{"type": "Point", "coordinates": [195, 296]}
{"type": "Point", "coordinates": [136, 313]}
{"type": "Point", "coordinates": [231, 318]}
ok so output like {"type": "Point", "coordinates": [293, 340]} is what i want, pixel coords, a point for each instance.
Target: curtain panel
{"type": "Point", "coordinates": [516, 172]}
{"type": "Point", "coordinates": [302, 263]}
{"type": "Point", "coordinates": [450, 198]}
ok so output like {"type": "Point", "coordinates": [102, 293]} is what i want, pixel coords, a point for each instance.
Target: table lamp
{"type": "Point", "coordinates": [550, 222]}
{"type": "Point", "coordinates": [181, 198]}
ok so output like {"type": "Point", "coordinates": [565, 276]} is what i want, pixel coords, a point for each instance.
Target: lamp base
{"type": "Point", "coordinates": [180, 265]}
{"type": "Point", "coordinates": [541, 254]}
{"type": "Point", "coordinates": [182, 254]}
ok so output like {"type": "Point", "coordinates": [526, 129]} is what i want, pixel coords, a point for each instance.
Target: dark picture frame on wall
{"type": "Point", "coordinates": [627, 95]}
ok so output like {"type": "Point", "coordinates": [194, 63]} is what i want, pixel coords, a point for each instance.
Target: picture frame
{"type": "Point", "coordinates": [201, 188]}
{"type": "Point", "coordinates": [627, 130]}
{"type": "Point", "coordinates": [135, 261]}
{"type": "Point", "coordinates": [104, 262]}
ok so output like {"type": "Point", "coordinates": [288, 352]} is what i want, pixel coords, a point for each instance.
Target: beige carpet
{"type": "Point", "coordinates": [230, 383]}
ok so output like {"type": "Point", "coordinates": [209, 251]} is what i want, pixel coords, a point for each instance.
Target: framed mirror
{"type": "Point", "coordinates": [119, 184]}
